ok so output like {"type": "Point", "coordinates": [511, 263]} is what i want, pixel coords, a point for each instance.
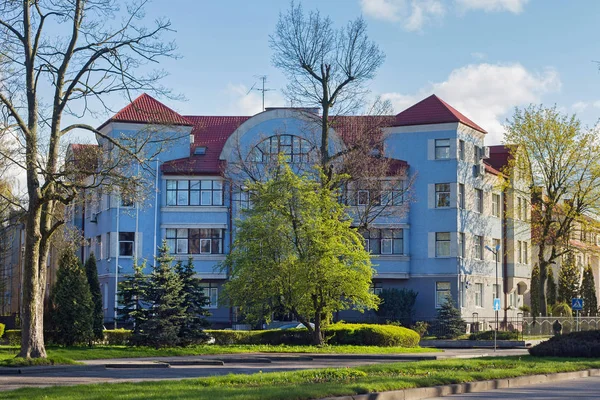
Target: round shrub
{"type": "Point", "coordinates": [574, 344]}
{"type": "Point", "coordinates": [13, 336]}
{"type": "Point", "coordinates": [372, 335]}
{"type": "Point", "coordinates": [117, 336]}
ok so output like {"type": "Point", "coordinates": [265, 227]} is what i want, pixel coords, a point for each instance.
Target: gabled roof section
{"type": "Point", "coordinates": [433, 110]}
{"type": "Point", "coordinates": [210, 132]}
{"type": "Point", "coordinates": [500, 156]}
{"type": "Point", "coordinates": [147, 110]}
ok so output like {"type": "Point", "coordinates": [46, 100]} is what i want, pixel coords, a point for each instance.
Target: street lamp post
{"type": "Point", "coordinates": [495, 252]}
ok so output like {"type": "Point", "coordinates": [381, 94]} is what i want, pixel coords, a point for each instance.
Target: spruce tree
{"type": "Point", "coordinates": [588, 292]}
{"type": "Point", "coordinates": [194, 304]}
{"type": "Point", "coordinates": [568, 281]}
{"type": "Point", "coordinates": [72, 302]}
{"type": "Point", "coordinates": [550, 287]}
{"type": "Point", "coordinates": [534, 294]}
{"type": "Point", "coordinates": [97, 314]}
{"type": "Point", "coordinates": [164, 297]}
{"type": "Point", "coordinates": [449, 323]}
{"type": "Point", "coordinates": [132, 292]}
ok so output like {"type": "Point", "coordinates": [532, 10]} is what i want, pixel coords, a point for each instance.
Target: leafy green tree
{"type": "Point", "coordinates": [397, 305]}
{"type": "Point", "coordinates": [163, 298]}
{"type": "Point", "coordinates": [550, 287]}
{"type": "Point", "coordinates": [72, 302]}
{"type": "Point", "coordinates": [568, 280]}
{"type": "Point", "coordinates": [588, 292]}
{"type": "Point", "coordinates": [132, 292]}
{"type": "Point", "coordinates": [535, 287]}
{"type": "Point", "coordinates": [295, 250]}
{"type": "Point", "coordinates": [91, 272]}
{"type": "Point", "coordinates": [194, 304]}
{"type": "Point", "coordinates": [448, 323]}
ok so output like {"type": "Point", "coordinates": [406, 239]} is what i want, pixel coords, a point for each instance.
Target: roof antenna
{"type": "Point", "coordinates": [263, 78]}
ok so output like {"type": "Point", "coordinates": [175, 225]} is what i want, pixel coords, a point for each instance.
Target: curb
{"type": "Point", "coordinates": [48, 369]}
{"type": "Point", "coordinates": [195, 362]}
{"type": "Point", "coordinates": [469, 387]}
{"type": "Point", "coordinates": [153, 365]}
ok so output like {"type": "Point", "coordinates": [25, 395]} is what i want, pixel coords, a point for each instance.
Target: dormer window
{"type": "Point", "coordinates": [200, 151]}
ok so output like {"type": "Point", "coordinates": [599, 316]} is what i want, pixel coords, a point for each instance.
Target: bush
{"type": "Point", "coordinates": [13, 336]}
{"type": "Point", "coordinates": [2, 326]}
{"type": "Point", "coordinates": [489, 335]}
{"type": "Point", "coordinates": [448, 323]}
{"type": "Point", "coordinates": [338, 334]}
{"type": "Point", "coordinates": [397, 305]}
{"type": "Point", "coordinates": [575, 344]}
{"type": "Point", "coordinates": [420, 327]}
{"type": "Point", "coordinates": [117, 337]}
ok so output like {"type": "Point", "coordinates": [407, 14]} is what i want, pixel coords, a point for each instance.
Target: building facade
{"type": "Point", "coordinates": [459, 204]}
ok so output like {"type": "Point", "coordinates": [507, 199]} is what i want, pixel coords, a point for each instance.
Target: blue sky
{"type": "Point", "coordinates": [482, 56]}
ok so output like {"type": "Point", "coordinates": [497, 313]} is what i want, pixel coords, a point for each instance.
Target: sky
{"type": "Point", "coordinates": [484, 57]}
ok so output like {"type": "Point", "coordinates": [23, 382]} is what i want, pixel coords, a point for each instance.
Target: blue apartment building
{"type": "Point", "coordinates": [437, 248]}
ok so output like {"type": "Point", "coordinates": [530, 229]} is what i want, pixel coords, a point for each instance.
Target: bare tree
{"type": "Point", "coordinates": [48, 79]}
{"type": "Point", "coordinates": [325, 67]}
{"type": "Point", "coordinates": [559, 158]}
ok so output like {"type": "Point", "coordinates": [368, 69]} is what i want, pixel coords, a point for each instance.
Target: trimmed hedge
{"type": "Point", "coordinates": [338, 334]}
{"type": "Point", "coordinates": [13, 336]}
{"type": "Point", "coordinates": [117, 337]}
{"type": "Point", "coordinates": [2, 326]}
{"type": "Point", "coordinates": [574, 344]}
{"type": "Point", "coordinates": [489, 335]}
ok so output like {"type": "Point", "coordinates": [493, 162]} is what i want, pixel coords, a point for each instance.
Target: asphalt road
{"type": "Point", "coordinates": [287, 362]}
{"type": "Point", "coordinates": [579, 389]}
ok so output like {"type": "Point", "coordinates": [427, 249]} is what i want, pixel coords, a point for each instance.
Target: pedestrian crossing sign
{"type": "Point", "coordinates": [496, 304]}
{"type": "Point", "coordinates": [577, 304]}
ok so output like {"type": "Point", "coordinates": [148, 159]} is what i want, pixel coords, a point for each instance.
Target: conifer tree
{"type": "Point", "coordinates": [534, 293]}
{"type": "Point", "coordinates": [588, 292]}
{"type": "Point", "coordinates": [568, 281]}
{"type": "Point", "coordinates": [72, 302]}
{"type": "Point", "coordinates": [164, 297]}
{"type": "Point", "coordinates": [550, 287]}
{"type": "Point", "coordinates": [448, 323]}
{"type": "Point", "coordinates": [132, 292]}
{"type": "Point", "coordinates": [97, 313]}
{"type": "Point", "coordinates": [194, 304]}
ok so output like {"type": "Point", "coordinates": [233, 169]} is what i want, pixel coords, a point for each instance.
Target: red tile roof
{"type": "Point", "coordinates": [499, 157]}
{"type": "Point", "coordinates": [210, 132]}
{"type": "Point", "coordinates": [433, 110]}
{"type": "Point", "coordinates": [147, 110]}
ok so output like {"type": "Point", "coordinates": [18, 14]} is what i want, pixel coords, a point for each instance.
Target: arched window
{"type": "Point", "coordinates": [293, 148]}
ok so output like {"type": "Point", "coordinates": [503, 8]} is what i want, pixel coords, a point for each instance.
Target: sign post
{"type": "Point", "coordinates": [496, 309]}
{"type": "Point", "coordinates": [577, 305]}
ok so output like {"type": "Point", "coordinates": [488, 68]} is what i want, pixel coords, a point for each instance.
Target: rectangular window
{"type": "Point", "coordinates": [519, 251]}
{"type": "Point", "coordinates": [375, 288]}
{"type": "Point", "coordinates": [211, 291]}
{"type": "Point", "coordinates": [495, 204]}
{"type": "Point", "coordinates": [478, 246]}
{"type": "Point", "coordinates": [479, 200]}
{"type": "Point", "coordinates": [442, 195]}
{"type": "Point", "coordinates": [126, 240]}
{"type": "Point", "coordinates": [523, 209]}
{"type": "Point", "coordinates": [384, 241]}
{"type": "Point", "coordinates": [442, 244]}
{"type": "Point", "coordinates": [461, 244]}
{"type": "Point", "coordinates": [461, 150]}
{"type": "Point", "coordinates": [461, 196]}
{"type": "Point", "coordinates": [442, 149]}
{"type": "Point", "coordinates": [194, 193]}
{"type": "Point", "coordinates": [442, 293]}
{"type": "Point", "coordinates": [479, 295]}
{"type": "Point", "coordinates": [519, 208]}
{"type": "Point", "coordinates": [195, 241]}
{"type": "Point", "coordinates": [99, 247]}
{"type": "Point", "coordinates": [363, 197]}
{"type": "Point", "coordinates": [496, 243]}
{"type": "Point", "coordinates": [475, 154]}
{"type": "Point", "coordinates": [108, 250]}
{"type": "Point", "coordinates": [525, 258]}
{"type": "Point", "coordinates": [126, 200]}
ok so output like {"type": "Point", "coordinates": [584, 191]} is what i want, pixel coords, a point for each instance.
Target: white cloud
{"type": "Point", "coordinates": [580, 106]}
{"type": "Point", "coordinates": [413, 14]}
{"type": "Point", "coordinates": [478, 55]}
{"type": "Point", "coordinates": [513, 6]}
{"type": "Point", "coordinates": [243, 101]}
{"type": "Point", "coordinates": [486, 93]}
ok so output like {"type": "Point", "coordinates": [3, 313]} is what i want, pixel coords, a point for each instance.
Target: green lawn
{"type": "Point", "coordinates": [316, 383]}
{"type": "Point", "coordinates": [104, 352]}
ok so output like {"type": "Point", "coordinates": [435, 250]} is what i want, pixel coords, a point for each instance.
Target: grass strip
{"type": "Point", "coordinates": [311, 384]}
{"type": "Point", "coordinates": [105, 352]}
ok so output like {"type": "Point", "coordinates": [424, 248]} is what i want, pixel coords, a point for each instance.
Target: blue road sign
{"type": "Point", "coordinates": [577, 304]}
{"type": "Point", "coordinates": [496, 304]}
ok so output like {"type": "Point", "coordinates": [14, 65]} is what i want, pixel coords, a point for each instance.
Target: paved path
{"type": "Point", "coordinates": [241, 364]}
{"type": "Point", "coordinates": [579, 389]}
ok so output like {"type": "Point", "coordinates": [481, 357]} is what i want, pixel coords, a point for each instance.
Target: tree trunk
{"type": "Point", "coordinates": [317, 333]}
{"type": "Point", "coordinates": [32, 314]}
{"type": "Point", "coordinates": [542, 289]}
